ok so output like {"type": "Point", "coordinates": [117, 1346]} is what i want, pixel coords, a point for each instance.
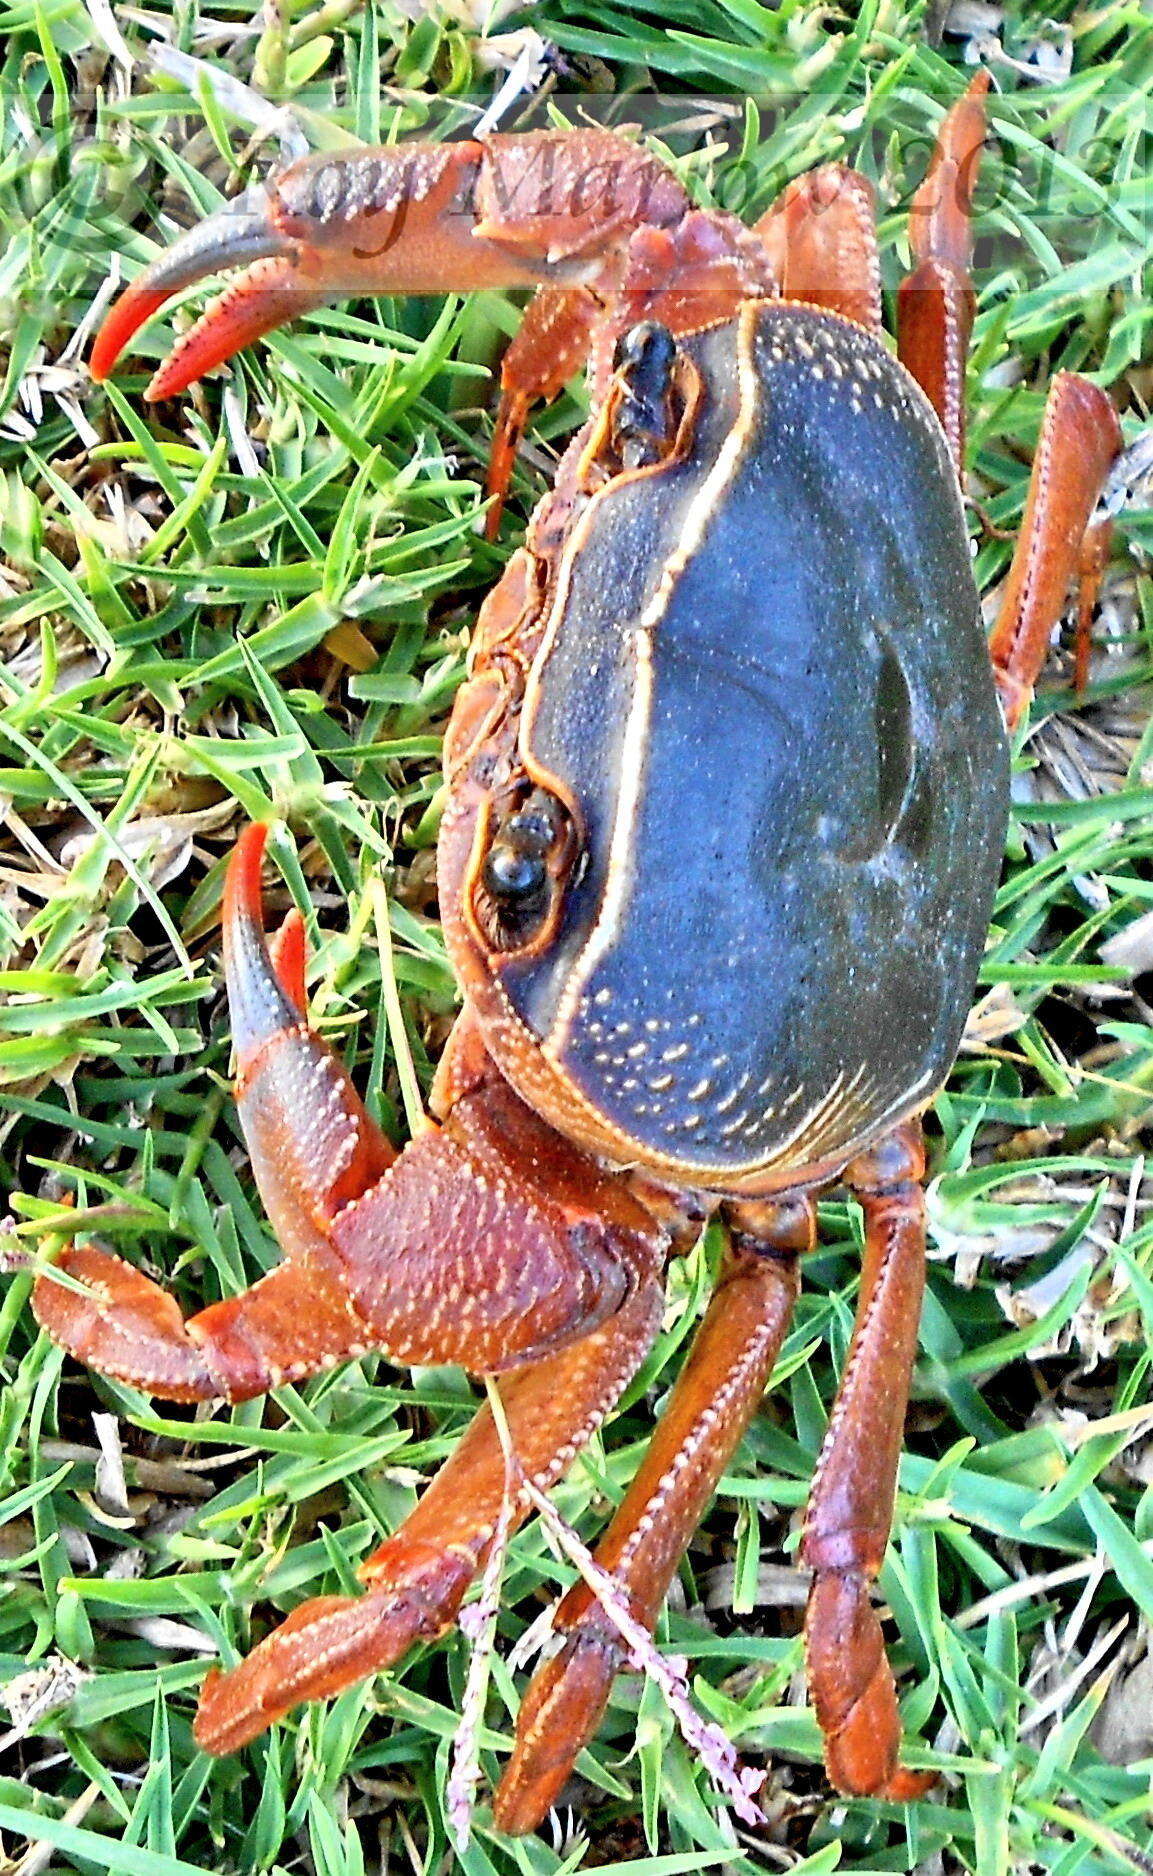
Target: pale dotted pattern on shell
{"type": "Point", "coordinates": [650, 1070]}
{"type": "Point", "coordinates": [852, 362]}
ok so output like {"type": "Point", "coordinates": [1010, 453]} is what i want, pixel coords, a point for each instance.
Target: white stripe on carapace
{"type": "Point", "coordinates": [622, 845]}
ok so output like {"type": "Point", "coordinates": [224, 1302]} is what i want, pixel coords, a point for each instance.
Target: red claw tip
{"type": "Point", "coordinates": [259, 1004]}
{"type": "Point", "coordinates": [288, 950]}
{"type": "Point", "coordinates": [242, 890]}
{"type": "Point", "coordinates": [132, 310]}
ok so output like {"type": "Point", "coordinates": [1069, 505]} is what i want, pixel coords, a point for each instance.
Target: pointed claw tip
{"type": "Point", "coordinates": [243, 878]}
{"type": "Point", "coordinates": [185, 365]}
{"type": "Point", "coordinates": [171, 378]}
{"type": "Point", "coordinates": [211, 1729]}
{"type": "Point", "coordinates": [257, 1000]}
{"type": "Point", "coordinates": [905, 1786]}
{"type": "Point", "coordinates": [132, 310]}
{"type": "Point", "coordinates": [107, 345]}
{"type": "Point", "coordinates": [289, 953]}
{"type": "Point", "coordinates": [243, 892]}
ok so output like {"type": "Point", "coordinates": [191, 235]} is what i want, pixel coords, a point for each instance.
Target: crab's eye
{"type": "Point", "coordinates": [513, 876]}
{"type": "Point", "coordinates": [644, 421]}
{"type": "Point", "coordinates": [522, 871]}
{"type": "Point", "coordinates": [645, 353]}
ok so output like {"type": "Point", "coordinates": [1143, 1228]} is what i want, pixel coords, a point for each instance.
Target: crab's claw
{"type": "Point", "coordinates": [515, 211]}
{"type": "Point", "coordinates": [314, 1147]}
{"type": "Point", "coordinates": [371, 221]}
{"type": "Point", "coordinates": [273, 289]}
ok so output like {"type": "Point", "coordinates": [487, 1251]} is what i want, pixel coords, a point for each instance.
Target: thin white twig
{"type": "Point", "coordinates": [478, 1622]}
{"type": "Point", "coordinates": [717, 1754]}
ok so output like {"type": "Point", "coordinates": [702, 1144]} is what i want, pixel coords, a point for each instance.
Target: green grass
{"type": "Point", "coordinates": [170, 585]}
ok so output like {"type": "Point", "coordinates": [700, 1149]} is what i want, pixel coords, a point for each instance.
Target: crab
{"type": "Point", "coordinates": [726, 795]}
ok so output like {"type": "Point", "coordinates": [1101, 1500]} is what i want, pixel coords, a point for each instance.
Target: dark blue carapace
{"type": "Point", "coordinates": [764, 684]}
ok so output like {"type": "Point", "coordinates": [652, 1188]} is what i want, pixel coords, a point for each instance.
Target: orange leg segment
{"type": "Point", "coordinates": [130, 1328]}
{"type": "Point", "coordinates": [1080, 440]}
{"type": "Point", "coordinates": [1091, 565]}
{"type": "Point", "coordinates": [550, 346]}
{"type": "Point", "coordinates": [417, 1579]}
{"type": "Point", "coordinates": [935, 303]}
{"type": "Point", "coordinates": [714, 1398]}
{"type": "Point", "coordinates": [851, 1507]}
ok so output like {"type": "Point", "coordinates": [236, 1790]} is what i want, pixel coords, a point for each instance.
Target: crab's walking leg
{"type": "Point", "coordinates": [549, 347]}
{"type": "Point", "coordinates": [1080, 435]}
{"type": "Point", "coordinates": [718, 1389]}
{"type": "Point", "coordinates": [935, 303]}
{"type": "Point", "coordinates": [1092, 561]}
{"type": "Point", "coordinates": [416, 1580]}
{"type": "Point", "coordinates": [851, 1506]}
{"type": "Point", "coordinates": [1080, 439]}
{"type": "Point", "coordinates": [489, 1241]}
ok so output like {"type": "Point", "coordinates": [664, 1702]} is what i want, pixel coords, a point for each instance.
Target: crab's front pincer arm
{"type": "Point", "coordinates": [418, 218]}
{"type": "Point", "coordinates": [486, 1242]}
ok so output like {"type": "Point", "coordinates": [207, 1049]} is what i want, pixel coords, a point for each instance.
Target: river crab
{"type": "Point", "coordinates": [727, 788]}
